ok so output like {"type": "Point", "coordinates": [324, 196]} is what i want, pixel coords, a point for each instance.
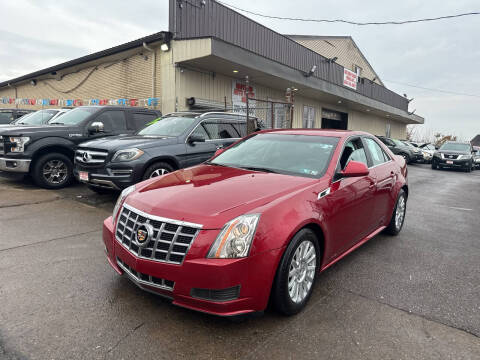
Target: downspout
{"type": "Point", "coordinates": [154, 66]}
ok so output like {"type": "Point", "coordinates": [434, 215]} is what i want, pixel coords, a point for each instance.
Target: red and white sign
{"type": "Point", "coordinates": [239, 97]}
{"type": "Point", "coordinates": [350, 79]}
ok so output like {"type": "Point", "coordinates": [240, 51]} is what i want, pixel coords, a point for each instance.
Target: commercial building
{"type": "Point", "coordinates": [214, 58]}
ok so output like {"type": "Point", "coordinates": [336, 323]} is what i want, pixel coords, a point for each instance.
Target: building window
{"type": "Point", "coordinates": [308, 117]}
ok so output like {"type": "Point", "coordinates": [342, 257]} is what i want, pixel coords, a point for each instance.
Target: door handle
{"type": "Point", "coordinates": [372, 185]}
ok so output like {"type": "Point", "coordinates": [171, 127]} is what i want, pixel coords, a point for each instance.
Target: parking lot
{"type": "Point", "coordinates": [414, 296]}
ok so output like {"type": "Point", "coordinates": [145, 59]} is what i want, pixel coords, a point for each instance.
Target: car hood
{"type": "Point", "coordinates": [35, 129]}
{"type": "Point", "coordinates": [213, 195]}
{"type": "Point", "coordinates": [115, 143]}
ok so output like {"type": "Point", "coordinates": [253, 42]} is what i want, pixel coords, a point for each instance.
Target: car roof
{"type": "Point", "coordinates": [317, 132]}
{"type": "Point", "coordinates": [110, 107]}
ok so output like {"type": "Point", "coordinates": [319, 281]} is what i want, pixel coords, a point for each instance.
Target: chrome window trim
{"type": "Point", "coordinates": [209, 140]}
{"type": "Point", "coordinates": [162, 219]}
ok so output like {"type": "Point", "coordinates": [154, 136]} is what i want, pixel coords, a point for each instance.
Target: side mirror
{"type": "Point", "coordinates": [195, 138]}
{"type": "Point", "coordinates": [437, 147]}
{"type": "Point", "coordinates": [355, 169]}
{"type": "Point", "coordinates": [218, 152]}
{"type": "Point", "coordinates": [96, 127]}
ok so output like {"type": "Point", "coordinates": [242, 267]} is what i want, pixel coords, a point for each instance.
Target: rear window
{"type": "Point", "coordinates": [6, 117]}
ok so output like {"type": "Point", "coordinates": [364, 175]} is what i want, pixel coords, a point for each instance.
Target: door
{"type": "Point", "coordinates": [351, 201]}
{"type": "Point", "coordinates": [198, 152]}
{"type": "Point", "coordinates": [384, 174]}
{"type": "Point", "coordinates": [308, 117]}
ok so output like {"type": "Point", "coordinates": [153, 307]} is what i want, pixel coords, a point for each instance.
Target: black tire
{"type": "Point", "coordinates": [434, 165]}
{"type": "Point", "coordinates": [53, 171]}
{"type": "Point", "coordinates": [281, 297]}
{"type": "Point", "coordinates": [468, 168]}
{"type": "Point", "coordinates": [406, 157]}
{"type": "Point", "coordinates": [160, 167]}
{"type": "Point", "coordinates": [393, 227]}
{"type": "Point", "coordinates": [100, 190]}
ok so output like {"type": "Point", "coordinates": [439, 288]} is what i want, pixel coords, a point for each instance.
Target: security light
{"type": "Point", "coordinates": [164, 47]}
{"type": "Point", "coordinates": [312, 71]}
{"type": "Point", "coordinates": [33, 82]}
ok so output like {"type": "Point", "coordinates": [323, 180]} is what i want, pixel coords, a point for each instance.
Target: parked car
{"type": "Point", "coordinates": [427, 151]}
{"type": "Point", "coordinates": [259, 221]}
{"type": "Point", "coordinates": [175, 141]}
{"type": "Point", "coordinates": [408, 152]}
{"type": "Point", "coordinates": [46, 152]}
{"type": "Point", "coordinates": [454, 154]}
{"type": "Point", "coordinates": [40, 117]}
{"type": "Point", "coordinates": [9, 115]}
{"type": "Point", "coordinates": [476, 156]}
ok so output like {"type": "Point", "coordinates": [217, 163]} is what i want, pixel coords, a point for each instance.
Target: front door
{"type": "Point", "coordinates": [351, 201]}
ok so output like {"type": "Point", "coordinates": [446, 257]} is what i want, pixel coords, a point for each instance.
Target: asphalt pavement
{"type": "Point", "coordinates": [414, 296]}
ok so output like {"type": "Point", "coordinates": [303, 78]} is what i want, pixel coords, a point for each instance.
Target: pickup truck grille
{"type": "Point", "coordinates": [170, 241]}
{"type": "Point", "coordinates": [2, 145]}
{"type": "Point", "coordinates": [91, 157]}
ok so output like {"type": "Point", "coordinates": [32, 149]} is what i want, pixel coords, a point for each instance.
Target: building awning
{"type": "Point", "coordinates": [220, 57]}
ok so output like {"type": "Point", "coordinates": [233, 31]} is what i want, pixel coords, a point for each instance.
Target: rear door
{"type": "Point", "coordinates": [384, 173]}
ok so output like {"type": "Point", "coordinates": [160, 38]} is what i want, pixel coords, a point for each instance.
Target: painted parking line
{"type": "Point", "coordinates": [459, 208]}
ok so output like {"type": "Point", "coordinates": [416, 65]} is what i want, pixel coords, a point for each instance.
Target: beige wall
{"type": "Point", "coordinates": [105, 79]}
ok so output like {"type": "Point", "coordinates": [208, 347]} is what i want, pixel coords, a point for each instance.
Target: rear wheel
{"type": "Point", "coordinates": [398, 217]}
{"type": "Point", "coordinates": [296, 273]}
{"type": "Point", "coordinates": [53, 171]}
{"type": "Point", "coordinates": [157, 169]}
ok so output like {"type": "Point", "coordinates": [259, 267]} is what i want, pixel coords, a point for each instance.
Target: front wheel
{"type": "Point", "coordinates": [434, 165]}
{"type": "Point", "coordinates": [398, 217]}
{"type": "Point", "coordinates": [296, 273]}
{"type": "Point", "coordinates": [53, 171]}
{"type": "Point", "coordinates": [157, 169]}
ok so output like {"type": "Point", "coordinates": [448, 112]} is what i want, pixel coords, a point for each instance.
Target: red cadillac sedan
{"type": "Point", "coordinates": [260, 219]}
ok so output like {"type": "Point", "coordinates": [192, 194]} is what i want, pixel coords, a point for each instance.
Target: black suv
{"type": "Point", "coordinates": [454, 154]}
{"type": "Point", "coordinates": [46, 152]}
{"type": "Point", "coordinates": [175, 141]}
{"type": "Point", "coordinates": [409, 152]}
{"type": "Point", "coordinates": [9, 115]}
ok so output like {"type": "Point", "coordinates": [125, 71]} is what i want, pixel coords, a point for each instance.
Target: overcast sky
{"type": "Point", "coordinates": [445, 54]}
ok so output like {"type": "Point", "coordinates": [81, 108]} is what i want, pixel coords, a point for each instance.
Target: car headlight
{"type": "Point", "coordinates": [19, 143]}
{"type": "Point", "coordinates": [127, 155]}
{"type": "Point", "coordinates": [464, 157]}
{"type": "Point", "coordinates": [235, 239]}
{"type": "Point", "coordinates": [127, 191]}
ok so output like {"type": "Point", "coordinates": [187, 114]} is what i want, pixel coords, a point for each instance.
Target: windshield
{"type": "Point", "coordinates": [455, 147]}
{"type": "Point", "coordinates": [37, 118]}
{"type": "Point", "coordinates": [398, 142]}
{"type": "Point", "coordinates": [74, 117]}
{"type": "Point", "coordinates": [169, 126]}
{"type": "Point", "coordinates": [300, 155]}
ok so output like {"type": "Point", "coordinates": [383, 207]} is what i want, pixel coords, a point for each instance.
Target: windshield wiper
{"type": "Point", "coordinates": [255, 168]}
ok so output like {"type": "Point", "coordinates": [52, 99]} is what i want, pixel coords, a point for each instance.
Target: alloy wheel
{"type": "Point", "coordinates": [302, 271]}
{"type": "Point", "coordinates": [158, 172]}
{"type": "Point", "coordinates": [55, 172]}
{"type": "Point", "coordinates": [400, 212]}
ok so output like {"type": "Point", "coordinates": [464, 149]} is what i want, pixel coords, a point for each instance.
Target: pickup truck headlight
{"type": "Point", "coordinates": [235, 239]}
{"type": "Point", "coordinates": [127, 155]}
{"type": "Point", "coordinates": [440, 155]}
{"type": "Point", "coordinates": [123, 195]}
{"type": "Point", "coordinates": [18, 143]}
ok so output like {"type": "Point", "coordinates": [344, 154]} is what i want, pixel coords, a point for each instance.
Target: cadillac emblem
{"type": "Point", "coordinates": [144, 234]}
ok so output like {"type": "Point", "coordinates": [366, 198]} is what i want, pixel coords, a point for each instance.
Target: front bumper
{"type": "Point", "coordinates": [106, 177]}
{"type": "Point", "coordinates": [452, 163]}
{"type": "Point", "coordinates": [250, 277]}
{"type": "Point", "coordinates": [417, 157]}
{"type": "Point", "coordinates": [15, 165]}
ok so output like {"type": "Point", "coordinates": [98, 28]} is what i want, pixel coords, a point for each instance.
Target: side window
{"type": "Point", "coordinates": [355, 151]}
{"type": "Point", "coordinates": [6, 117]}
{"type": "Point", "coordinates": [376, 152]}
{"type": "Point", "coordinates": [112, 120]}
{"type": "Point", "coordinates": [241, 128]}
{"type": "Point", "coordinates": [200, 131]}
{"type": "Point", "coordinates": [220, 130]}
{"type": "Point", "coordinates": [140, 119]}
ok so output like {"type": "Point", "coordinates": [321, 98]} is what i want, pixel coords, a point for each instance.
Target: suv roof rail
{"type": "Point", "coordinates": [230, 113]}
